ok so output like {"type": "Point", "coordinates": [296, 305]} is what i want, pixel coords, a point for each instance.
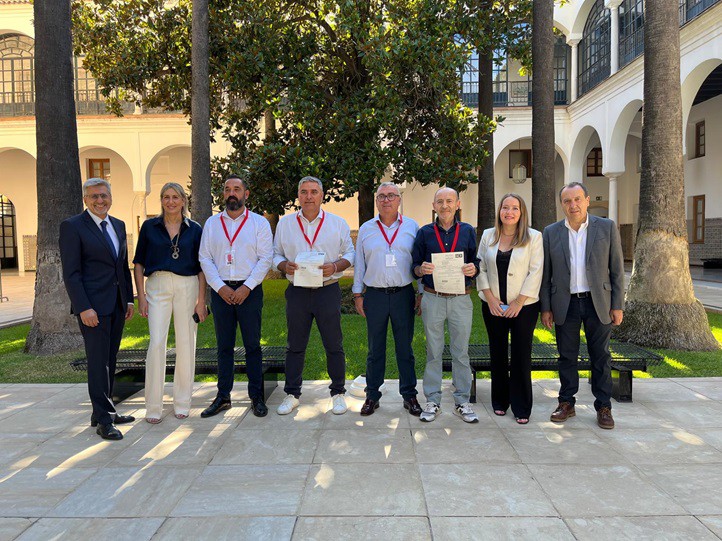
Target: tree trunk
{"type": "Point", "coordinates": [201, 202]}
{"type": "Point", "coordinates": [53, 329]}
{"type": "Point", "coordinates": [661, 308]}
{"type": "Point", "coordinates": [543, 206]}
{"type": "Point", "coordinates": [269, 123]}
{"type": "Point", "coordinates": [486, 206]}
{"type": "Point", "coordinates": [365, 203]}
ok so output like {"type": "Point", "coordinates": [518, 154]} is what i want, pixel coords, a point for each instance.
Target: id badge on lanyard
{"type": "Point", "coordinates": [391, 259]}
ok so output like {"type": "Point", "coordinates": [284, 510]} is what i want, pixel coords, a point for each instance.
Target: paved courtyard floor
{"type": "Point", "coordinates": [313, 475]}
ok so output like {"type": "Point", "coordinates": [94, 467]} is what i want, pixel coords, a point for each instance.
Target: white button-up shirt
{"type": "Point", "coordinates": [111, 231]}
{"type": "Point", "coordinates": [577, 257]}
{"type": "Point", "coordinates": [252, 250]}
{"type": "Point", "coordinates": [334, 239]}
{"type": "Point", "coordinates": [371, 251]}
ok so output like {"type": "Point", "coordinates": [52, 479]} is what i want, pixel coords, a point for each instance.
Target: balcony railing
{"type": "Point", "coordinates": [689, 9]}
{"type": "Point", "coordinates": [511, 93]}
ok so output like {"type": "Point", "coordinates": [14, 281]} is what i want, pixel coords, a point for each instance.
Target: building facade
{"type": "Point", "coordinates": [598, 72]}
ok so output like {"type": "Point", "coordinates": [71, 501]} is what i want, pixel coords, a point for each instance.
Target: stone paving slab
{"type": "Point", "coordinates": [500, 528]}
{"type": "Point", "coordinates": [639, 528]}
{"type": "Point", "coordinates": [231, 528]}
{"type": "Point", "coordinates": [82, 529]}
{"type": "Point", "coordinates": [360, 528]}
{"type": "Point", "coordinates": [315, 475]}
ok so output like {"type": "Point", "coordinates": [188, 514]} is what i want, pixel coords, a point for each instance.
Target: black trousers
{"type": "Point", "coordinates": [511, 381]}
{"type": "Point", "coordinates": [101, 350]}
{"type": "Point", "coordinates": [381, 306]}
{"type": "Point", "coordinates": [597, 334]}
{"type": "Point", "coordinates": [303, 305]}
{"type": "Point", "coordinates": [247, 316]}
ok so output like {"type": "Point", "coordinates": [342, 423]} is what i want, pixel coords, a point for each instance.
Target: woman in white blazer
{"type": "Point", "coordinates": [511, 260]}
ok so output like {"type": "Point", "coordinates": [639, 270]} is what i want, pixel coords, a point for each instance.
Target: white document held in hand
{"type": "Point", "coordinates": [309, 272]}
{"type": "Point", "coordinates": [448, 275]}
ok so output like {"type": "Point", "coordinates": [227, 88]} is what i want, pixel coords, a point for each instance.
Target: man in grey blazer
{"type": "Point", "coordinates": [583, 282]}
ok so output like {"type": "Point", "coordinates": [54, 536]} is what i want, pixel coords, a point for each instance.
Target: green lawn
{"type": "Point", "coordinates": [17, 367]}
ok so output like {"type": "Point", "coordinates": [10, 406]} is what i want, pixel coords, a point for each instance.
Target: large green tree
{"type": "Point", "coordinates": [53, 329]}
{"type": "Point", "coordinates": [359, 89]}
{"type": "Point", "coordinates": [661, 309]}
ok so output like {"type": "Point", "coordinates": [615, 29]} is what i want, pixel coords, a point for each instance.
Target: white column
{"type": "Point", "coordinates": [613, 214]}
{"type": "Point", "coordinates": [573, 43]}
{"type": "Point", "coordinates": [613, 6]}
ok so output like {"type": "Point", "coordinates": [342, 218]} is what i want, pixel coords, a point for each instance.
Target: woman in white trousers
{"type": "Point", "coordinates": [169, 282]}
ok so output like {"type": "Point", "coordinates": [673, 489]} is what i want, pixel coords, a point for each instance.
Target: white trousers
{"type": "Point", "coordinates": [170, 294]}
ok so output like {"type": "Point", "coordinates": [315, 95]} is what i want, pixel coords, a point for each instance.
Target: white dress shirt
{"type": "Point", "coordinates": [111, 231]}
{"type": "Point", "coordinates": [334, 239]}
{"type": "Point", "coordinates": [578, 257]}
{"type": "Point", "coordinates": [252, 249]}
{"type": "Point", "coordinates": [371, 251]}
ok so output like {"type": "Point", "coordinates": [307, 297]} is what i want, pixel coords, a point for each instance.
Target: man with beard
{"type": "Point", "coordinates": [235, 255]}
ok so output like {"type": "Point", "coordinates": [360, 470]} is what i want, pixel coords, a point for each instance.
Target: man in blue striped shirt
{"type": "Point", "coordinates": [383, 291]}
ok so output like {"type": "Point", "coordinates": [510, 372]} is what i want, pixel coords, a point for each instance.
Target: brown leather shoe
{"type": "Point", "coordinates": [369, 407]}
{"type": "Point", "coordinates": [605, 419]}
{"type": "Point", "coordinates": [563, 412]}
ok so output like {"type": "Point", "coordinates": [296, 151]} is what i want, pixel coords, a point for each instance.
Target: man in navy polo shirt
{"type": "Point", "coordinates": [446, 235]}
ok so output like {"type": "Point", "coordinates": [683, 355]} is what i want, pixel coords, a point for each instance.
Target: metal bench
{"type": "Point", "coordinates": [625, 359]}
{"type": "Point", "coordinates": [130, 368]}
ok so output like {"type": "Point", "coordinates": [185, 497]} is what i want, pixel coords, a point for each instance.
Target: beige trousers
{"type": "Point", "coordinates": [170, 294]}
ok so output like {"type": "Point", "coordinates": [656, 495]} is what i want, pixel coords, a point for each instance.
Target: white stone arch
{"type": "Point", "coordinates": [614, 153]}
{"type": "Point", "coordinates": [580, 18]}
{"type": "Point", "coordinates": [580, 143]}
{"type": "Point", "coordinates": [160, 153]}
{"type": "Point", "coordinates": [502, 183]}
{"type": "Point", "coordinates": [174, 160]}
{"type": "Point", "coordinates": [18, 183]}
{"type": "Point", "coordinates": [691, 83]}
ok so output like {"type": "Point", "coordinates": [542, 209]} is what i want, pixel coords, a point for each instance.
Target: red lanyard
{"type": "Point", "coordinates": [390, 242]}
{"type": "Point", "coordinates": [320, 225]}
{"type": "Point", "coordinates": [225, 230]}
{"type": "Point", "coordinates": [441, 244]}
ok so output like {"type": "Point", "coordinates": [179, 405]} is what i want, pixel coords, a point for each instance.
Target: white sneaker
{"type": "Point", "coordinates": [339, 405]}
{"type": "Point", "coordinates": [289, 404]}
{"type": "Point", "coordinates": [431, 411]}
{"type": "Point", "coordinates": [466, 413]}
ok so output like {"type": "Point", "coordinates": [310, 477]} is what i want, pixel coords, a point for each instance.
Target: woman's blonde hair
{"type": "Point", "coordinates": [521, 238]}
{"type": "Point", "coordinates": [180, 191]}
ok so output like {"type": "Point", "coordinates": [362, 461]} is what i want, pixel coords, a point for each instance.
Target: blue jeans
{"type": "Point", "coordinates": [457, 313]}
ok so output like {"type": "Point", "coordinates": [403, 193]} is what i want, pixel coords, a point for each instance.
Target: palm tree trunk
{"type": "Point", "coordinates": [53, 329]}
{"type": "Point", "coordinates": [661, 308]}
{"type": "Point", "coordinates": [542, 125]}
{"type": "Point", "coordinates": [201, 202]}
{"type": "Point", "coordinates": [485, 205]}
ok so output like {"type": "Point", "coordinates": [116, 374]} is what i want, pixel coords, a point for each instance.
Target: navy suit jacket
{"type": "Point", "coordinates": [93, 278]}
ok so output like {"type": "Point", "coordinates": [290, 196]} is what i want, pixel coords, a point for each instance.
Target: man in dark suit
{"type": "Point", "coordinates": [583, 282]}
{"type": "Point", "coordinates": [94, 256]}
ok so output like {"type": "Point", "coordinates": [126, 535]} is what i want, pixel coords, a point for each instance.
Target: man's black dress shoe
{"type": "Point", "coordinates": [258, 407]}
{"type": "Point", "coordinates": [109, 432]}
{"type": "Point", "coordinates": [218, 405]}
{"type": "Point", "coordinates": [413, 406]}
{"type": "Point", "coordinates": [369, 407]}
{"type": "Point", "coordinates": [119, 419]}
